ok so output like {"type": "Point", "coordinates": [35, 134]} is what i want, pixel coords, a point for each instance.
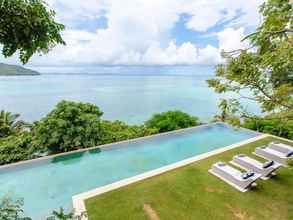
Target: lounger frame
{"type": "Point", "coordinates": [264, 175]}
{"type": "Point", "coordinates": [268, 156]}
{"type": "Point", "coordinates": [250, 181]}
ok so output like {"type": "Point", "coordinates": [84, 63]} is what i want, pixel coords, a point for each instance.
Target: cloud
{"type": "Point", "coordinates": [139, 31]}
{"type": "Point", "coordinates": [205, 14]}
{"type": "Point", "coordinates": [231, 39]}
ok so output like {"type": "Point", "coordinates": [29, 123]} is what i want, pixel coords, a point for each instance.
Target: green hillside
{"type": "Point", "coordinates": [13, 70]}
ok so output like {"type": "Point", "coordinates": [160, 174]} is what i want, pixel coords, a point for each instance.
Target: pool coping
{"type": "Point", "coordinates": [79, 199]}
{"type": "Point", "coordinates": [25, 162]}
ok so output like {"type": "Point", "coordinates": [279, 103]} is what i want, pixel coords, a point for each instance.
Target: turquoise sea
{"type": "Point", "coordinates": [130, 94]}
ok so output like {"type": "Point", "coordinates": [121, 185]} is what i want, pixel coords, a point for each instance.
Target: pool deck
{"type": "Point", "coordinates": [79, 199]}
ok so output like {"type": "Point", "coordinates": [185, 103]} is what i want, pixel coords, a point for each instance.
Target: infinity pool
{"type": "Point", "coordinates": [49, 184]}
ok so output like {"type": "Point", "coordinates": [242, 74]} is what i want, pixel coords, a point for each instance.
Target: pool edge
{"type": "Point", "coordinates": [79, 199]}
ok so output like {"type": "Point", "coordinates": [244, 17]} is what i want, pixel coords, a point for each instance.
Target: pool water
{"type": "Point", "coordinates": [49, 184]}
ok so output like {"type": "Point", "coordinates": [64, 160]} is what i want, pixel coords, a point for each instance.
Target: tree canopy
{"type": "Point", "coordinates": [28, 26]}
{"type": "Point", "coordinates": [265, 68]}
{"type": "Point", "coordinates": [68, 126]}
{"type": "Point", "coordinates": [171, 120]}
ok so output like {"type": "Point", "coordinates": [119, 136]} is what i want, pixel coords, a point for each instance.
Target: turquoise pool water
{"type": "Point", "coordinates": [51, 183]}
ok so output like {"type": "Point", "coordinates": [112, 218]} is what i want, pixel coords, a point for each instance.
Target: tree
{"type": "Point", "coordinates": [119, 131]}
{"type": "Point", "coordinates": [69, 126]}
{"type": "Point", "coordinates": [171, 120]}
{"type": "Point", "coordinates": [9, 124]}
{"type": "Point", "coordinates": [275, 126]}
{"type": "Point", "coordinates": [28, 26]}
{"type": "Point", "coordinates": [16, 148]}
{"type": "Point", "coordinates": [61, 215]}
{"type": "Point", "coordinates": [265, 68]}
{"type": "Point", "coordinates": [11, 210]}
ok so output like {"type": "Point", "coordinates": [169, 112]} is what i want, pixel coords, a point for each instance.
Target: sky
{"type": "Point", "coordinates": [148, 32]}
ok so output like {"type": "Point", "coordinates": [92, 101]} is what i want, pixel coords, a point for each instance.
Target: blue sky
{"type": "Point", "coordinates": [148, 32]}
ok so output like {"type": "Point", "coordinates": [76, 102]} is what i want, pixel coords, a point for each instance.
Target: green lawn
{"type": "Point", "coordinates": [192, 193]}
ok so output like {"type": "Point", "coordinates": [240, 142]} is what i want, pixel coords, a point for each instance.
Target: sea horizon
{"type": "Point", "coordinates": [128, 93]}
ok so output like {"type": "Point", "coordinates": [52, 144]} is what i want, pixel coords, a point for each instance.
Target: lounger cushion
{"type": "Point", "coordinates": [247, 175]}
{"type": "Point", "coordinates": [221, 164]}
{"type": "Point", "coordinates": [289, 154]}
{"type": "Point", "coordinates": [268, 164]}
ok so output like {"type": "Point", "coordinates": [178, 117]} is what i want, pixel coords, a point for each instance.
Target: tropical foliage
{"type": "Point", "coordinates": [69, 126]}
{"type": "Point", "coordinates": [11, 210]}
{"type": "Point", "coordinates": [275, 126]}
{"type": "Point", "coordinates": [28, 26]}
{"type": "Point", "coordinates": [171, 120]}
{"type": "Point", "coordinates": [16, 148]}
{"type": "Point", "coordinates": [9, 124]}
{"type": "Point", "coordinates": [265, 68]}
{"type": "Point", "coordinates": [75, 125]}
{"type": "Point", "coordinates": [119, 131]}
{"type": "Point", "coordinates": [62, 215]}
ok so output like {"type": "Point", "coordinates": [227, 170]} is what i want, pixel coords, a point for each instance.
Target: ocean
{"type": "Point", "coordinates": [131, 94]}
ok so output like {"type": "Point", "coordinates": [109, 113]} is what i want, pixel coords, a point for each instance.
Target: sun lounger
{"type": "Point", "coordinates": [271, 154]}
{"type": "Point", "coordinates": [234, 177]}
{"type": "Point", "coordinates": [265, 169]}
{"type": "Point", "coordinates": [284, 148]}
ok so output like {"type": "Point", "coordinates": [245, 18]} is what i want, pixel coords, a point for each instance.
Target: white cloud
{"type": "Point", "coordinates": [231, 39]}
{"type": "Point", "coordinates": [139, 31]}
{"type": "Point", "coordinates": [206, 14]}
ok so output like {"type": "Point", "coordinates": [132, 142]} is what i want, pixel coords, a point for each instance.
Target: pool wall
{"type": "Point", "coordinates": [79, 199]}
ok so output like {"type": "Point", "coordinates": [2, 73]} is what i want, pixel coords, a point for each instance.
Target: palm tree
{"type": "Point", "coordinates": [61, 215]}
{"type": "Point", "coordinates": [224, 111]}
{"type": "Point", "coordinates": [9, 123]}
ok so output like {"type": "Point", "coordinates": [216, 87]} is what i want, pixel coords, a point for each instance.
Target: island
{"type": "Point", "coordinates": [14, 70]}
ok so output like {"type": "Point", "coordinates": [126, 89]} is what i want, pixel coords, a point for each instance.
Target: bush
{"type": "Point", "coordinates": [16, 148]}
{"type": "Point", "coordinates": [171, 120]}
{"type": "Point", "coordinates": [271, 126]}
{"type": "Point", "coordinates": [69, 126]}
{"type": "Point", "coordinates": [119, 131]}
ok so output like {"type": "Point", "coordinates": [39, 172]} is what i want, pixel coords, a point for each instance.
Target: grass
{"type": "Point", "coordinates": [192, 193]}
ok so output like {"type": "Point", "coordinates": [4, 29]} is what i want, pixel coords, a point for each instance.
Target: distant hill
{"type": "Point", "coordinates": [13, 70]}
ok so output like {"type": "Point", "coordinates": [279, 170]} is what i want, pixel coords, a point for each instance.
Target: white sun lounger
{"type": "Point", "coordinates": [265, 169]}
{"type": "Point", "coordinates": [233, 176]}
{"type": "Point", "coordinates": [284, 148]}
{"type": "Point", "coordinates": [271, 154]}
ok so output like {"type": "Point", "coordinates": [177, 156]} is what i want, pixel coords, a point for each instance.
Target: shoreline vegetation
{"type": "Point", "coordinates": [75, 125]}
{"type": "Point", "coordinates": [14, 70]}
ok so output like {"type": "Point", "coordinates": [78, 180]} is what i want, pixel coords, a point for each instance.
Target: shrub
{"type": "Point", "coordinates": [16, 148]}
{"type": "Point", "coordinates": [69, 126]}
{"type": "Point", "coordinates": [272, 126]}
{"type": "Point", "coordinates": [171, 120]}
{"type": "Point", "coordinates": [119, 131]}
